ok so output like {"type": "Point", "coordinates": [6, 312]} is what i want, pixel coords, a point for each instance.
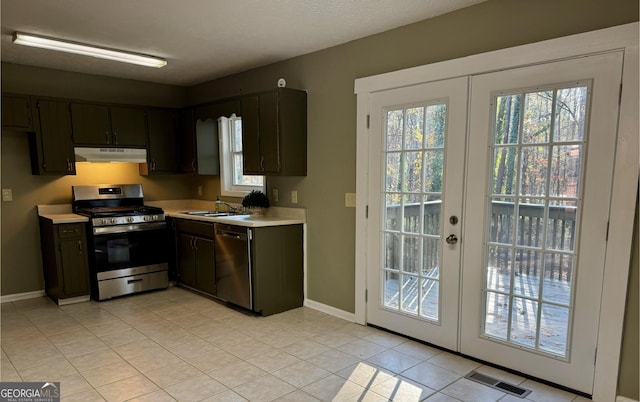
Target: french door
{"type": "Point", "coordinates": [418, 179]}
{"type": "Point", "coordinates": [488, 206]}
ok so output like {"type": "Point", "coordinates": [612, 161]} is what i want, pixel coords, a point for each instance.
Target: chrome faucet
{"type": "Point", "coordinates": [230, 208]}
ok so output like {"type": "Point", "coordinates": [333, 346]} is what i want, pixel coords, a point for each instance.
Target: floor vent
{"type": "Point", "coordinates": [497, 384]}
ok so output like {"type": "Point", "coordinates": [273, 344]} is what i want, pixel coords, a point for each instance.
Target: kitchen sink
{"type": "Point", "coordinates": [210, 213]}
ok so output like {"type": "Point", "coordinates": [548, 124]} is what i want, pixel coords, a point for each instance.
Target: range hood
{"type": "Point", "coordinates": [135, 155]}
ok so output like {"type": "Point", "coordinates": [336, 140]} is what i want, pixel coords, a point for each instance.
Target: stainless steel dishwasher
{"type": "Point", "coordinates": [233, 264]}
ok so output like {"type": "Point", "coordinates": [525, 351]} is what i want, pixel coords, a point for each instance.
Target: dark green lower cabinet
{"type": "Point", "coordinates": [277, 264]}
{"type": "Point", "coordinates": [195, 260]}
{"type": "Point", "coordinates": [64, 259]}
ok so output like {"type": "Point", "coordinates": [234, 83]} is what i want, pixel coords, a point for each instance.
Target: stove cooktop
{"type": "Point", "coordinates": [101, 212]}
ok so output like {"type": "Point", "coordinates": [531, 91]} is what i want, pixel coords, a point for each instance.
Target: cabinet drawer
{"type": "Point", "coordinates": [66, 231]}
{"type": "Point", "coordinates": [194, 227]}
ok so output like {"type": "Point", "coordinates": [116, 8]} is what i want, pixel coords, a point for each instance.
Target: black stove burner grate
{"type": "Point", "coordinates": [119, 211]}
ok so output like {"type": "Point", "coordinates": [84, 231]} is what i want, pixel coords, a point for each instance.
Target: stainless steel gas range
{"type": "Point", "coordinates": [128, 240]}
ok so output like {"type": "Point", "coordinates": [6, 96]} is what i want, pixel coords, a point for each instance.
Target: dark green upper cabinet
{"type": "Point", "coordinates": [129, 126]}
{"type": "Point", "coordinates": [162, 155]}
{"type": "Point", "coordinates": [16, 112]}
{"type": "Point", "coordinates": [100, 125]}
{"type": "Point", "coordinates": [51, 145]}
{"type": "Point", "coordinates": [274, 133]}
{"type": "Point", "coordinates": [188, 162]}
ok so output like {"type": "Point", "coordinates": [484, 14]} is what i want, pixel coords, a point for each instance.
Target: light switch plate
{"type": "Point", "coordinates": [275, 194]}
{"type": "Point", "coordinates": [350, 200]}
{"type": "Point", "coordinates": [7, 194]}
{"type": "Point", "coordinates": [294, 197]}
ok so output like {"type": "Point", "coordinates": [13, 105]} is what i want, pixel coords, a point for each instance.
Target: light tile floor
{"type": "Point", "coordinates": [174, 345]}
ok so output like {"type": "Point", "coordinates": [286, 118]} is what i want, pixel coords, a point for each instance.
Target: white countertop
{"type": "Point", "coordinates": [240, 220]}
{"type": "Point", "coordinates": [274, 216]}
{"type": "Point", "coordinates": [60, 213]}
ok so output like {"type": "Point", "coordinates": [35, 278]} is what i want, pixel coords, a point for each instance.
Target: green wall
{"type": "Point", "coordinates": [329, 75]}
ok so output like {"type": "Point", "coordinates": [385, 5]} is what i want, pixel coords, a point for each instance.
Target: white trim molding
{"type": "Point", "coordinates": [324, 308]}
{"type": "Point", "coordinates": [21, 296]}
{"type": "Point", "coordinates": [623, 38]}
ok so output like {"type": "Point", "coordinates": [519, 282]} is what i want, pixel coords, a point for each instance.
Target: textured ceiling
{"type": "Point", "coordinates": [201, 39]}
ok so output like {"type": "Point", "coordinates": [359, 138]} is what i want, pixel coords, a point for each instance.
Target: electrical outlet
{"type": "Point", "coordinates": [7, 194]}
{"type": "Point", "coordinates": [350, 200]}
{"type": "Point", "coordinates": [275, 194]}
{"type": "Point", "coordinates": [200, 190]}
{"type": "Point", "coordinates": [294, 197]}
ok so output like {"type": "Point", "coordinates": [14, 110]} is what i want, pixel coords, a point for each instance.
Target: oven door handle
{"type": "Point", "coordinates": [129, 228]}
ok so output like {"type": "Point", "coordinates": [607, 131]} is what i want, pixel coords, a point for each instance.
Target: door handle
{"type": "Point", "coordinates": [451, 239]}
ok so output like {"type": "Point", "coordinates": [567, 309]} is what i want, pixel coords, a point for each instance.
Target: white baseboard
{"type": "Point", "coordinates": [345, 315]}
{"type": "Point", "coordinates": [624, 399]}
{"type": "Point", "coordinates": [21, 296]}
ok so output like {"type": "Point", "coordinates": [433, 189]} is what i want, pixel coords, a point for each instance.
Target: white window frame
{"type": "Point", "coordinates": [227, 187]}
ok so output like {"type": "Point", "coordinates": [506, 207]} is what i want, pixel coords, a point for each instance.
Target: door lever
{"type": "Point", "coordinates": [451, 239]}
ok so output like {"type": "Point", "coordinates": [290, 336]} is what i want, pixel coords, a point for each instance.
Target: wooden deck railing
{"type": "Point", "coordinates": [529, 225]}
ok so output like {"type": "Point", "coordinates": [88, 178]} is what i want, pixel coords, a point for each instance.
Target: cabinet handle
{"type": "Point", "coordinates": [69, 168]}
{"type": "Point", "coordinates": [115, 137]}
{"type": "Point", "coordinates": [195, 244]}
{"type": "Point", "coordinates": [133, 281]}
{"type": "Point", "coordinates": [106, 137]}
{"type": "Point", "coordinates": [153, 164]}
{"type": "Point", "coordinates": [193, 164]}
{"type": "Point", "coordinates": [80, 246]}
{"type": "Point", "coordinates": [261, 163]}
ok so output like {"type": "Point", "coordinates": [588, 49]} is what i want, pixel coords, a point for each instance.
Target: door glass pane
{"type": "Point", "coordinates": [537, 117]}
{"type": "Point", "coordinates": [414, 155]}
{"type": "Point", "coordinates": [415, 124]}
{"type": "Point", "coordinates": [499, 269]}
{"type": "Point", "coordinates": [497, 318]}
{"type": "Point", "coordinates": [533, 174]}
{"type": "Point", "coordinates": [501, 220]}
{"type": "Point", "coordinates": [539, 138]}
{"type": "Point", "coordinates": [565, 170]}
{"type": "Point", "coordinates": [507, 119]}
{"type": "Point", "coordinates": [571, 105]}
{"type": "Point", "coordinates": [504, 179]}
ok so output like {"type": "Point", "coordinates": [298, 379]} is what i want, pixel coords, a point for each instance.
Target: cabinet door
{"type": "Point", "coordinates": [53, 145]}
{"type": "Point", "coordinates": [162, 140]}
{"type": "Point", "coordinates": [16, 112]}
{"type": "Point", "coordinates": [129, 126]}
{"type": "Point", "coordinates": [205, 265]}
{"type": "Point", "coordinates": [277, 258]}
{"type": "Point", "coordinates": [75, 269]}
{"type": "Point", "coordinates": [251, 163]}
{"type": "Point", "coordinates": [186, 260]}
{"type": "Point", "coordinates": [187, 135]}
{"type": "Point", "coordinates": [268, 134]}
{"type": "Point", "coordinates": [90, 124]}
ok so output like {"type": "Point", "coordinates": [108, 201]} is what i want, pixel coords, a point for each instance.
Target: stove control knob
{"type": "Point", "coordinates": [105, 221]}
{"type": "Point", "coordinates": [155, 217]}
{"type": "Point", "coordinates": [113, 221]}
{"type": "Point", "coordinates": [146, 218]}
{"type": "Point", "coordinates": [130, 219]}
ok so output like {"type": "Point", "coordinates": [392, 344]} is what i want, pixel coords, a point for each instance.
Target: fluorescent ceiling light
{"type": "Point", "coordinates": [87, 50]}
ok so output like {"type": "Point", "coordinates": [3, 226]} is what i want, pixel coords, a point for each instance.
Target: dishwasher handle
{"type": "Point", "coordinates": [231, 234]}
